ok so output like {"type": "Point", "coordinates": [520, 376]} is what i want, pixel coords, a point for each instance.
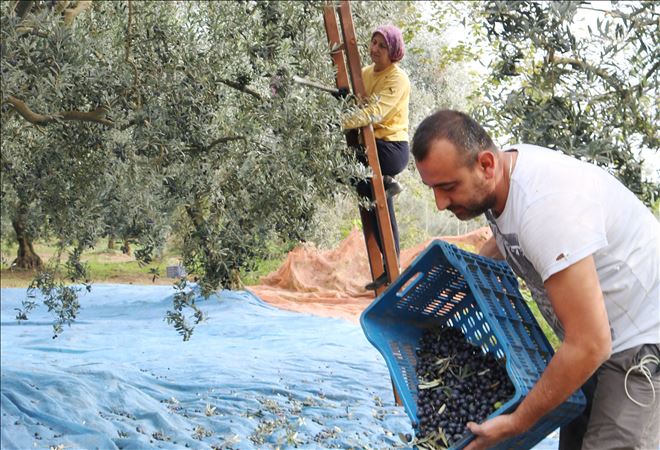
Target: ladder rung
{"type": "Point", "coordinates": [337, 48]}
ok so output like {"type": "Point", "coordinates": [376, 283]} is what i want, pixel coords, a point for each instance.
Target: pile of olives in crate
{"type": "Point", "coordinates": [458, 384]}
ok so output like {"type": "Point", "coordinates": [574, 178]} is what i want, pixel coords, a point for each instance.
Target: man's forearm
{"type": "Point", "coordinates": [568, 370]}
{"type": "Point", "coordinates": [578, 302]}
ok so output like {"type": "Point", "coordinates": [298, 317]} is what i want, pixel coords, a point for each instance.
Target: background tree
{"type": "Point", "coordinates": [140, 119]}
{"type": "Point", "coordinates": [440, 77]}
{"type": "Point", "coordinates": [589, 91]}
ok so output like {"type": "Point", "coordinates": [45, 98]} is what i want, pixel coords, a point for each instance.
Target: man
{"type": "Point", "coordinates": [589, 251]}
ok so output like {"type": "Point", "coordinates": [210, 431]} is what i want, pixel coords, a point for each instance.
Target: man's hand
{"type": "Point", "coordinates": [493, 431]}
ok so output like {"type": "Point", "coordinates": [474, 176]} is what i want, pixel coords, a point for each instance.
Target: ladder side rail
{"type": "Point", "coordinates": [336, 47]}
{"type": "Point", "coordinates": [341, 76]}
{"type": "Point", "coordinates": [375, 260]}
{"type": "Point", "coordinates": [382, 212]}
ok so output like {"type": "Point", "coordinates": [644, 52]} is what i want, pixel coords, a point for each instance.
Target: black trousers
{"type": "Point", "coordinates": [393, 157]}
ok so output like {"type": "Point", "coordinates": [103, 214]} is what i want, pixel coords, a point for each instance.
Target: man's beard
{"type": "Point", "coordinates": [473, 208]}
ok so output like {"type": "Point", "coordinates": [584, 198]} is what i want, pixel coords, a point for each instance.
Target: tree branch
{"type": "Point", "coordinates": [22, 7]}
{"type": "Point", "coordinates": [129, 31]}
{"type": "Point", "coordinates": [21, 31]}
{"type": "Point", "coordinates": [621, 14]}
{"type": "Point", "coordinates": [240, 87]}
{"type": "Point", "coordinates": [652, 70]}
{"type": "Point", "coordinates": [232, 84]}
{"type": "Point", "coordinates": [97, 116]}
{"type": "Point", "coordinates": [127, 54]}
{"type": "Point", "coordinates": [578, 64]}
{"type": "Point", "coordinates": [224, 139]}
{"type": "Point", "coordinates": [586, 8]}
{"type": "Point", "coordinates": [61, 5]}
{"type": "Point", "coordinates": [70, 14]}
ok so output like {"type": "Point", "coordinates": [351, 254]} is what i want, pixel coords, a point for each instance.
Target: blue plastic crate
{"type": "Point", "coordinates": [448, 287]}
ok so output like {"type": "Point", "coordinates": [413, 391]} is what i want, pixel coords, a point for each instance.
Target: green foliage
{"type": "Point", "coordinates": [589, 93]}
{"type": "Point", "coordinates": [138, 119]}
{"type": "Point", "coordinates": [437, 70]}
{"type": "Point", "coordinates": [260, 269]}
{"type": "Point", "coordinates": [61, 300]}
{"type": "Point", "coordinates": [184, 299]}
{"type": "Point", "coordinates": [549, 333]}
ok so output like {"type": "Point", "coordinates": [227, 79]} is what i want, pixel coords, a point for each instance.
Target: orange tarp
{"type": "Point", "coordinates": [330, 283]}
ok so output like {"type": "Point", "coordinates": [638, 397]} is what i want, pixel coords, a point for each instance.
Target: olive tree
{"type": "Point", "coordinates": [588, 89]}
{"type": "Point", "coordinates": [137, 118]}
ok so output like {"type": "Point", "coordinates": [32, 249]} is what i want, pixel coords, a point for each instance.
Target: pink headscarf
{"type": "Point", "coordinates": [394, 39]}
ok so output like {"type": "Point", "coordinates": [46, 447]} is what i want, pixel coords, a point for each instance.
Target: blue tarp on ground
{"type": "Point", "coordinates": [251, 377]}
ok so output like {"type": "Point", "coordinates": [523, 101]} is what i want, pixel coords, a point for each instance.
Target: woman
{"type": "Point", "coordinates": [388, 90]}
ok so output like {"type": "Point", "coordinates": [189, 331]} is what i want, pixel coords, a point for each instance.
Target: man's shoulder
{"type": "Point", "coordinates": [552, 167]}
{"type": "Point", "coordinates": [531, 150]}
{"type": "Point", "coordinates": [543, 177]}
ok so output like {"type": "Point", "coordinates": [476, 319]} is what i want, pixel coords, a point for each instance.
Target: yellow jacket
{"type": "Point", "coordinates": [389, 94]}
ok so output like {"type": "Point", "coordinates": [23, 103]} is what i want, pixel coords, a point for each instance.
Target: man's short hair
{"type": "Point", "coordinates": [458, 128]}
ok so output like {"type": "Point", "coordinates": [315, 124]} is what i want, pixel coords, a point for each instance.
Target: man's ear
{"type": "Point", "coordinates": [486, 162]}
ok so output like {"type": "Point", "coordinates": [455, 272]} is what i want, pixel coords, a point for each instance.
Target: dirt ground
{"type": "Point", "coordinates": [331, 283]}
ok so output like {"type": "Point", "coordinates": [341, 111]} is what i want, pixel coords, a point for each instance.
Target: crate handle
{"type": "Point", "coordinates": [409, 284]}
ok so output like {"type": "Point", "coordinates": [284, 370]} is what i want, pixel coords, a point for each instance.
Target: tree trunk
{"type": "Point", "coordinates": [23, 7]}
{"type": "Point", "coordinates": [26, 258]}
{"type": "Point", "coordinates": [126, 247]}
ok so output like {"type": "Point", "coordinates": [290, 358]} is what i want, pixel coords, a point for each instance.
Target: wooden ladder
{"type": "Point", "coordinates": [346, 59]}
{"type": "Point", "coordinates": [341, 53]}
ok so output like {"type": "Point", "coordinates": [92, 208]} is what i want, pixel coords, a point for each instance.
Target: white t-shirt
{"type": "Point", "coordinates": [560, 210]}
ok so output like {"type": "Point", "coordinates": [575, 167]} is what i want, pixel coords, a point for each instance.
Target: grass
{"type": "Point", "coordinates": [547, 330]}
{"type": "Point", "coordinates": [112, 266]}
{"type": "Point", "coordinates": [263, 268]}
{"type": "Point", "coordinates": [104, 266]}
